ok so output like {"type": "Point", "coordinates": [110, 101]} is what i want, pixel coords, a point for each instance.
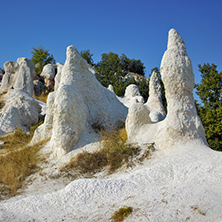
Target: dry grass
{"type": "Point", "coordinates": [43, 97]}
{"type": "Point", "coordinates": [121, 214]}
{"type": "Point", "coordinates": [114, 153]}
{"type": "Point", "coordinates": [17, 160]}
{"type": "Point", "coordinates": [15, 141]}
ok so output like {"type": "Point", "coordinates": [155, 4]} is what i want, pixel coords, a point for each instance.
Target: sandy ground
{"type": "Point", "coordinates": [183, 183]}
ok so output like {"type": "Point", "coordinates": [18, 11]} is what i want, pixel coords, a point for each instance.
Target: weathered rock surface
{"type": "Point", "coordinates": [18, 75]}
{"type": "Point", "coordinates": [132, 95]}
{"type": "Point", "coordinates": [20, 110]}
{"type": "Point", "coordinates": [78, 102]}
{"type": "Point", "coordinates": [154, 103]}
{"type": "Point", "coordinates": [59, 67]}
{"type": "Point", "coordinates": [138, 116]}
{"type": "Point", "coordinates": [182, 123]}
{"type": "Point", "coordinates": [48, 71]}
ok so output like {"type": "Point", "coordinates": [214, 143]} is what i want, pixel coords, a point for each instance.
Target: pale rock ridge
{"type": "Point", "coordinates": [18, 75]}
{"type": "Point", "coordinates": [182, 123]}
{"type": "Point", "coordinates": [154, 103]}
{"type": "Point", "coordinates": [132, 95]}
{"type": "Point", "coordinates": [59, 67]}
{"type": "Point", "coordinates": [78, 102]}
{"type": "Point", "coordinates": [20, 110]}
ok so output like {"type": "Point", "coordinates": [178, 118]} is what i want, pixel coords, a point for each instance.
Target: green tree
{"type": "Point", "coordinates": [41, 57]}
{"type": "Point", "coordinates": [210, 111]}
{"type": "Point", "coordinates": [109, 69]}
{"type": "Point", "coordinates": [132, 65]}
{"type": "Point", "coordinates": [87, 56]}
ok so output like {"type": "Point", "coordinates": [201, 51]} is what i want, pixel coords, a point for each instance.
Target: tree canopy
{"type": "Point", "coordinates": [210, 109]}
{"type": "Point", "coordinates": [87, 56]}
{"type": "Point", "coordinates": [113, 70]}
{"type": "Point", "coordinates": [41, 57]}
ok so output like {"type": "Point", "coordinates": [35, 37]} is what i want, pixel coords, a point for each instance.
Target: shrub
{"type": "Point", "coordinates": [121, 214]}
{"type": "Point", "coordinates": [18, 160]}
{"type": "Point", "coordinates": [114, 153]}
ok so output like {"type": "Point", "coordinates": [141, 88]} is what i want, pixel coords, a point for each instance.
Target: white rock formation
{"type": "Point", "coordinates": [20, 110]}
{"type": "Point", "coordinates": [132, 95]}
{"type": "Point", "coordinates": [137, 117]}
{"type": "Point", "coordinates": [59, 67]}
{"type": "Point", "coordinates": [24, 76]}
{"type": "Point", "coordinates": [182, 123]}
{"type": "Point", "coordinates": [18, 75]}
{"type": "Point", "coordinates": [154, 103]}
{"type": "Point", "coordinates": [48, 71]}
{"type": "Point", "coordinates": [78, 102]}
{"type": "Point", "coordinates": [110, 87]}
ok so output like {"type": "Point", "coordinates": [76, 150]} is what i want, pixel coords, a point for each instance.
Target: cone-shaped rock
{"type": "Point", "coordinates": [154, 103]}
{"type": "Point", "coordinates": [78, 103]}
{"type": "Point", "coordinates": [182, 121]}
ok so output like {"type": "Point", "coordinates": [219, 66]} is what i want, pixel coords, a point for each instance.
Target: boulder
{"type": "Point", "coordinates": [182, 123]}
{"type": "Point", "coordinates": [11, 67]}
{"type": "Point", "coordinates": [18, 75]}
{"type": "Point", "coordinates": [78, 103]}
{"type": "Point", "coordinates": [132, 95]}
{"type": "Point", "coordinates": [24, 76]}
{"type": "Point", "coordinates": [154, 103]}
{"type": "Point", "coordinates": [48, 71]}
{"type": "Point", "coordinates": [20, 110]}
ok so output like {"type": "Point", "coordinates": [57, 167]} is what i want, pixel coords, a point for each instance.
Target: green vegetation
{"type": "Point", "coordinates": [121, 214]}
{"type": "Point", "coordinates": [41, 57]}
{"type": "Point", "coordinates": [210, 111]}
{"type": "Point", "coordinates": [113, 70]}
{"type": "Point", "coordinates": [17, 160]}
{"type": "Point", "coordinates": [114, 153]}
{"type": "Point", "coordinates": [87, 56]}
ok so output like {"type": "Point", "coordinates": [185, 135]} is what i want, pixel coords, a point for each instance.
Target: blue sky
{"type": "Point", "coordinates": [137, 28]}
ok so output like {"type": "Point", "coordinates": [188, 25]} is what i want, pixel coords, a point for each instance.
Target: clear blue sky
{"type": "Point", "coordinates": [137, 28]}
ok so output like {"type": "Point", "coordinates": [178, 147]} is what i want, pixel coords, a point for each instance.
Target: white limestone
{"type": "Point", "coordinates": [48, 71]}
{"type": "Point", "coordinates": [59, 67]}
{"type": "Point", "coordinates": [78, 102]}
{"type": "Point", "coordinates": [20, 110]}
{"type": "Point", "coordinates": [182, 123]}
{"type": "Point", "coordinates": [132, 95]}
{"type": "Point", "coordinates": [154, 103]}
{"type": "Point", "coordinates": [18, 75]}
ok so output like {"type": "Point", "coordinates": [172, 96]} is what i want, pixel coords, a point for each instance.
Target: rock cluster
{"type": "Point", "coordinates": [18, 75]}
{"type": "Point", "coordinates": [20, 110]}
{"type": "Point", "coordinates": [78, 102]}
{"type": "Point", "coordinates": [182, 123]}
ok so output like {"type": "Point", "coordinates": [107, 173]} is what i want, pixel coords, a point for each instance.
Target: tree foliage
{"type": "Point", "coordinates": [87, 56]}
{"type": "Point", "coordinates": [113, 70]}
{"type": "Point", "coordinates": [210, 111]}
{"type": "Point", "coordinates": [41, 57]}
